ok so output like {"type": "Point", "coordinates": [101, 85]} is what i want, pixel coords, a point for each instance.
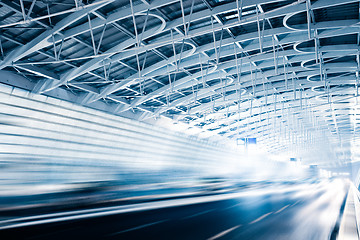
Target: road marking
{"type": "Point", "coordinates": [295, 203]}
{"type": "Point", "coordinates": [261, 218]}
{"type": "Point", "coordinates": [224, 232]}
{"type": "Point", "coordinates": [282, 209]}
{"type": "Point", "coordinates": [138, 227]}
{"type": "Point", "coordinates": [227, 208]}
{"type": "Point", "coordinates": [198, 214]}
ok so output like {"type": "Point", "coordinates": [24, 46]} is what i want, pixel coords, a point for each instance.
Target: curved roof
{"type": "Point", "coordinates": [283, 72]}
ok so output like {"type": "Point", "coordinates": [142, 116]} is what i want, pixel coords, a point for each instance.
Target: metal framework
{"type": "Point", "coordinates": [285, 72]}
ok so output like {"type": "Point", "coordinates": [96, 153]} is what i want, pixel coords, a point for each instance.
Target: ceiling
{"type": "Point", "coordinates": [283, 72]}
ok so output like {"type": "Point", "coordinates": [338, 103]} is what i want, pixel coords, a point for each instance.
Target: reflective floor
{"type": "Point", "coordinates": [207, 209]}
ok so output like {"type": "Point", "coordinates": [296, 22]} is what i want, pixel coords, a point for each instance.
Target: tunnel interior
{"type": "Point", "coordinates": [179, 119]}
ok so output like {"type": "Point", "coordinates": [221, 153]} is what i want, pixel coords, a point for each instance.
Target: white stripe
{"type": "Point", "coordinates": [283, 208]}
{"type": "Point", "coordinates": [198, 214]}
{"type": "Point", "coordinates": [138, 227]}
{"type": "Point", "coordinates": [224, 232]}
{"type": "Point", "coordinates": [261, 218]}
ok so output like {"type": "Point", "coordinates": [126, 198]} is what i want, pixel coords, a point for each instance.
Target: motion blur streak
{"type": "Point", "coordinates": [71, 172]}
{"type": "Point", "coordinates": [252, 210]}
{"type": "Point", "coordinates": [48, 145]}
{"type": "Point", "coordinates": [80, 214]}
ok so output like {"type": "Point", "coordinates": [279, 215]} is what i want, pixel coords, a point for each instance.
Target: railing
{"type": "Point", "coordinates": [350, 222]}
{"type": "Point", "coordinates": [357, 208]}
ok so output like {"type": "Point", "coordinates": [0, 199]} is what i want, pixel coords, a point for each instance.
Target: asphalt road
{"type": "Point", "coordinates": [307, 212]}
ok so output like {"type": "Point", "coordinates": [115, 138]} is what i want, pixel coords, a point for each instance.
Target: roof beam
{"type": "Point", "coordinates": [38, 42]}
{"type": "Point", "coordinates": [71, 75]}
